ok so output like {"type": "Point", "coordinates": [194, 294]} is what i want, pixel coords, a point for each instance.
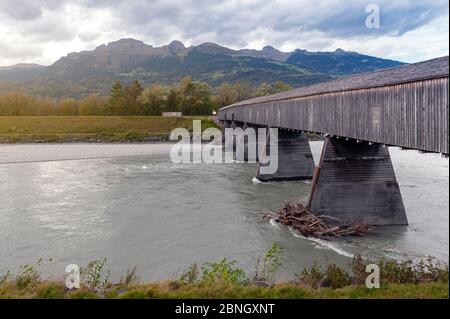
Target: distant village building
{"type": "Point", "coordinates": [172, 114]}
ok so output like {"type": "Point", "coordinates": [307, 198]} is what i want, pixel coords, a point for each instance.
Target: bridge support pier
{"type": "Point", "coordinates": [250, 145]}
{"type": "Point", "coordinates": [242, 145]}
{"type": "Point", "coordinates": [228, 124]}
{"type": "Point", "coordinates": [295, 160]}
{"type": "Point", "coordinates": [225, 124]}
{"type": "Point", "coordinates": [355, 183]}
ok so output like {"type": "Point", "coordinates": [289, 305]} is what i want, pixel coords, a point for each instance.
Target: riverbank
{"type": "Point", "coordinates": [223, 279]}
{"type": "Point", "coordinates": [28, 153]}
{"type": "Point", "coordinates": [93, 129]}
{"type": "Point", "coordinates": [170, 290]}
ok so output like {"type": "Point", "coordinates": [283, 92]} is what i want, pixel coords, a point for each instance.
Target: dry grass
{"type": "Point", "coordinates": [217, 290]}
{"type": "Point", "coordinates": [94, 124]}
{"type": "Point", "coordinates": [81, 128]}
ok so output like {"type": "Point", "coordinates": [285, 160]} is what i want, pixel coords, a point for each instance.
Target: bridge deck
{"type": "Point", "coordinates": [405, 106]}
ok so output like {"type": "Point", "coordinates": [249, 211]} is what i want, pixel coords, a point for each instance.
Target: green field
{"type": "Point", "coordinates": [29, 129]}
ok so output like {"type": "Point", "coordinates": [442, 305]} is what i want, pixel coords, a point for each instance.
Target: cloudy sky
{"type": "Point", "coordinates": [41, 31]}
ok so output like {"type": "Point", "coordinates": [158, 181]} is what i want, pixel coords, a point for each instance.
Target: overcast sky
{"type": "Point", "coordinates": [41, 31]}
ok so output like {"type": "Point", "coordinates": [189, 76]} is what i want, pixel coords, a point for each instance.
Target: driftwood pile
{"type": "Point", "coordinates": [303, 221]}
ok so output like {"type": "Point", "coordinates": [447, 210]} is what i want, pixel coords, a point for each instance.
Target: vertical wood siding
{"type": "Point", "coordinates": [412, 115]}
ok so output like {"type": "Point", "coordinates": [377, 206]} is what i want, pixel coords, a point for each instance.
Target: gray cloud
{"type": "Point", "coordinates": [20, 9]}
{"type": "Point", "coordinates": [311, 24]}
{"type": "Point", "coordinates": [231, 20]}
{"type": "Point", "coordinates": [24, 51]}
{"type": "Point", "coordinates": [27, 9]}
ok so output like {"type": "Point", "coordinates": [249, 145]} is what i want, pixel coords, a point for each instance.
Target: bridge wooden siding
{"type": "Point", "coordinates": [405, 107]}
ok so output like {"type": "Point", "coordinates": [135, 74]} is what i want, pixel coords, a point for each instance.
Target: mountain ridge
{"type": "Point", "coordinates": [87, 72]}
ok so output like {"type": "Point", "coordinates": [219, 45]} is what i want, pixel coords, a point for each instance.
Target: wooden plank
{"type": "Point", "coordinates": [412, 115]}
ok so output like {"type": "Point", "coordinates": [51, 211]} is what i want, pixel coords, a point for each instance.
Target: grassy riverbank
{"type": "Point", "coordinates": [171, 290]}
{"type": "Point", "coordinates": [69, 129]}
{"type": "Point", "coordinates": [223, 279]}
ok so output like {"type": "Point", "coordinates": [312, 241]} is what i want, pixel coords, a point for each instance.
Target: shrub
{"type": "Point", "coordinates": [5, 278]}
{"type": "Point", "coordinates": [130, 278]}
{"type": "Point", "coordinates": [267, 270]}
{"type": "Point", "coordinates": [190, 276]}
{"type": "Point", "coordinates": [223, 271]}
{"type": "Point", "coordinates": [336, 277]}
{"type": "Point", "coordinates": [312, 276]}
{"type": "Point", "coordinates": [408, 272]}
{"type": "Point", "coordinates": [93, 278]}
{"type": "Point", "coordinates": [433, 270]}
{"type": "Point", "coordinates": [27, 278]}
{"type": "Point", "coordinates": [358, 267]}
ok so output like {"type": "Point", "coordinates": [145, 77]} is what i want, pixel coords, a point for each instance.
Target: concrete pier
{"type": "Point", "coordinates": [251, 148]}
{"type": "Point", "coordinates": [355, 183]}
{"type": "Point", "coordinates": [295, 160]}
{"type": "Point", "coordinates": [225, 124]}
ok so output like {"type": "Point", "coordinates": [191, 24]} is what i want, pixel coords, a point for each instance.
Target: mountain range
{"type": "Point", "coordinates": [87, 72]}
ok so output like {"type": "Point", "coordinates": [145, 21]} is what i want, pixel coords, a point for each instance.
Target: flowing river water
{"type": "Point", "coordinates": [130, 204]}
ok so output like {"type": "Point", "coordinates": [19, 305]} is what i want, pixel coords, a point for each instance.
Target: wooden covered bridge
{"type": "Point", "coordinates": [359, 115]}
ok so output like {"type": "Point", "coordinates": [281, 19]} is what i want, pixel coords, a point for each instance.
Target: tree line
{"type": "Point", "coordinates": [188, 96]}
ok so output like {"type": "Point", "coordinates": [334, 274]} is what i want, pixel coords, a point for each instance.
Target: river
{"type": "Point", "coordinates": [128, 203]}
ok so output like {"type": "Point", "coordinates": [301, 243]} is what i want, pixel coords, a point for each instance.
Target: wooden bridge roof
{"type": "Point", "coordinates": [436, 68]}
